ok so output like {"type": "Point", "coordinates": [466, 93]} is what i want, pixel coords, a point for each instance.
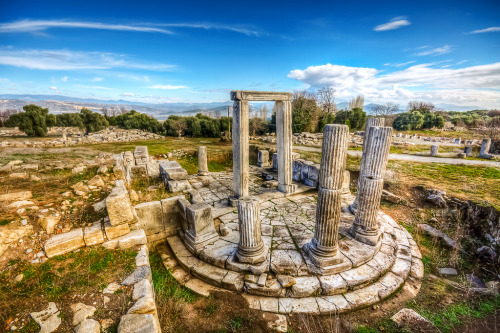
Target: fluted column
{"type": "Point", "coordinates": [240, 148]}
{"type": "Point", "coordinates": [323, 248]}
{"type": "Point", "coordinates": [370, 122]}
{"type": "Point", "coordinates": [251, 248]}
{"type": "Point", "coordinates": [202, 161]}
{"type": "Point", "coordinates": [284, 135]}
{"type": "Point", "coordinates": [371, 182]}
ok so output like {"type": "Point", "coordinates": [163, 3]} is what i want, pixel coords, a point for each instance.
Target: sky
{"type": "Point", "coordinates": [188, 51]}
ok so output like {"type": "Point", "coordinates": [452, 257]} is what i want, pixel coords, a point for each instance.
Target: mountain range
{"type": "Point", "coordinates": [61, 104]}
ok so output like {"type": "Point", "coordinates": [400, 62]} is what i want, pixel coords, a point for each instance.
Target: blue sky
{"type": "Point", "coordinates": [174, 51]}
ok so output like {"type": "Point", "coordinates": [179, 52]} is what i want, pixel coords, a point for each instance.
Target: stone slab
{"type": "Point", "coordinates": [64, 243]}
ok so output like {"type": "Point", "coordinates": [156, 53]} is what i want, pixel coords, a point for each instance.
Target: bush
{"type": "Point", "coordinates": [69, 120]}
{"type": "Point", "coordinates": [33, 121]}
{"type": "Point", "coordinates": [93, 121]}
{"type": "Point", "coordinates": [355, 118]}
{"type": "Point", "coordinates": [136, 120]}
{"type": "Point", "coordinates": [408, 121]}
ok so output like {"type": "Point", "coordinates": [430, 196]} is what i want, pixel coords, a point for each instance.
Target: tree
{"type": "Point", "coordinates": [93, 121]}
{"type": "Point", "coordinates": [305, 113]}
{"type": "Point", "coordinates": [355, 118]}
{"type": "Point", "coordinates": [33, 121]}
{"type": "Point", "coordinates": [408, 121]}
{"type": "Point", "coordinates": [257, 126]}
{"type": "Point", "coordinates": [386, 109]}
{"type": "Point", "coordinates": [5, 115]}
{"type": "Point", "coordinates": [69, 120]}
{"type": "Point", "coordinates": [421, 106]}
{"type": "Point", "coordinates": [432, 120]}
{"type": "Point", "coordinates": [327, 118]}
{"type": "Point", "coordinates": [326, 96]}
{"type": "Point", "coordinates": [357, 102]}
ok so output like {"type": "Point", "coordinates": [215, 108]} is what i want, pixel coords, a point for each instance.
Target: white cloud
{"type": "Point", "coordinates": [39, 26]}
{"type": "Point", "coordinates": [97, 79]}
{"type": "Point", "coordinates": [128, 94]}
{"type": "Point", "coordinates": [469, 85]}
{"type": "Point", "coordinates": [73, 60]}
{"type": "Point", "coordinates": [166, 87]}
{"type": "Point", "coordinates": [395, 23]}
{"type": "Point", "coordinates": [437, 51]}
{"type": "Point", "coordinates": [53, 88]}
{"type": "Point", "coordinates": [64, 79]}
{"type": "Point", "coordinates": [491, 29]}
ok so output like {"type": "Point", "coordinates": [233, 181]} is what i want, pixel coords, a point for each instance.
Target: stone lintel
{"type": "Point", "coordinates": [238, 95]}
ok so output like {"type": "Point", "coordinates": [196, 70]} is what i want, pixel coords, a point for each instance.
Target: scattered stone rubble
{"type": "Point", "coordinates": [77, 138]}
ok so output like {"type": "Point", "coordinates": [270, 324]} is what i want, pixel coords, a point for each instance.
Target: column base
{"type": "Point", "coordinates": [196, 243]}
{"type": "Point", "coordinates": [320, 258]}
{"type": "Point", "coordinates": [369, 237]}
{"type": "Point", "coordinates": [263, 165]}
{"type": "Point", "coordinates": [233, 201]}
{"type": "Point", "coordinates": [287, 189]}
{"type": "Point", "coordinates": [204, 173]}
{"type": "Point", "coordinates": [252, 256]}
{"type": "Point", "coordinates": [354, 206]}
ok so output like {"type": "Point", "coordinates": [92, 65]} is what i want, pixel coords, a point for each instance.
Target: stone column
{"type": "Point", "coordinates": [251, 248]}
{"type": "Point", "coordinates": [202, 161]}
{"type": "Point", "coordinates": [323, 248]}
{"type": "Point", "coordinates": [275, 161]}
{"type": "Point", "coordinates": [370, 122]}
{"type": "Point", "coordinates": [284, 134]}
{"type": "Point", "coordinates": [434, 150]}
{"type": "Point", "coordinates": [263, 158]}
{"type": "Point", "coordinates": [468, 151]}
{"type": "Point", "coordinates": [240, 148]}
{"type": "Point", "coordinates": [485, 148]}
{"type": "Point", "coordinates": [371, 182]}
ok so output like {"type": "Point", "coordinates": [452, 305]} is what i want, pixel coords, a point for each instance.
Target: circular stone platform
{"type": "Point", "coordinates": [287, 282]}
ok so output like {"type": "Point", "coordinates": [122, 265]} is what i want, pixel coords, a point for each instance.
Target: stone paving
{"type": "Point", "coordinates": [287, 282]}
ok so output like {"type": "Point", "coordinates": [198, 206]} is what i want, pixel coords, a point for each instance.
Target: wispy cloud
{"type": "Point", "coordinates": [53, 88]}
{"type": "Point", "coordinates": [73, 60]}
{"type": "Point", "coordinates": [97, 79]}
{"type": "Point", "coordinates": [491, 29]}
{"type": "Point", "coordinates": [437, 51]}
{"type": "Point", "coordinates": [395, 23]}
{"type": "Point", "coordinates": [128, 94]}
{"type": "Point", "coordinates": [166, 87]}
{"type": "Point", "coordinates": [400, 64]}
{"type": "Point", "coordinates": [40, 26]}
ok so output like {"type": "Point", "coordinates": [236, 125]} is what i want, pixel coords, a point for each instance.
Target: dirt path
{"type": "Point", "coordinates": [414, 158]}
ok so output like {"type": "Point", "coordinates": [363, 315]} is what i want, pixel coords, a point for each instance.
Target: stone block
{"type": "Point", "coordinates": [233, 281]}
{"type": "Point", "coordinates": [93, 235]}
{"type": "Point", "coordinates": [138, 323]}
{"type": "Point", "coordinates": [115, 231]}
{"type": "Point", "coordinates": [208, 273]}
{"type": "Point", "coordinates": [150, 217]}
{"type": "Point", "coordinates": [144, 305]}
{"type": "Point", "coordinates": [119, 207]}
{"type": "Point", "coordinates": [332, 284]}
{"type": "Point", "coordinates": [14, 196]}
{"type": "Point", "coordinates": [88, 326]}
{"type": "Point", "coordinates": [64, 243]}
{"type": "Point", "coordinates": [142, 288]}
{"type": "Point", "coordinates": [178, 185]}
{"type": "Point", "coordinates": [304, 286]}
{"type": "Point", "coordinates": [48, 223]}
{"type": "Point", "coordinates": [201, 230]}
{"type": "Point", "coordinates": [133, 238]}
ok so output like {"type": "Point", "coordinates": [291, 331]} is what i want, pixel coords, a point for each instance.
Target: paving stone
{"type": "Point", "coordinates": [401, 268]}
{"type": "Point", "coordinates": [364, 297]}
{"type": "Point", "coordinates": [332, 284]}
{"type": "Point", "coordinates": [382, 261]}
{"type": "Point", "coordinates": [142, 288]}
{"type": "Point", "coordinates": [144, 305]}
{"type": "Point", "coordinates": [273, 291]}
{"type": "Point", "coordinates": [138, 323]}
{"type": "Point", "coordinates": [64, 243]}
{"type": "Point", "coordinates": [208, 273]}
{"type": "Point", "coordinates": [81, 312]}
{"type": "Point", "coordinates": [417, 269]}
{"type": "Point", "coordinates": [304, 286]}
{"type": "Point", "coordinates": [403, 252]}
{"type": "Point", "coordinates": [48, 319]}
{"type": "Point", "coordinates": [200, 287]}
{"type": "Point", "coordinates": [392, 282]}
{"type": "Point", "coordinates": [218, 252]}
{"type": "Point", "coordinates": [288, 262]}
{"type": "Point", "coordinates": [360, 276]}
{"type": "Point", "coordinates": [88, 326]}
{"type": "Point", "coordinates": [286, 280]}
{"type": "Point", "coordinates": [333, 304]}
{"type": "Point", "coordinates": [357, 252]}
{"type": "Point", "coordinates": [233, 281]}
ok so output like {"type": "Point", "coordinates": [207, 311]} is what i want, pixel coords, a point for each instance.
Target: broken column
{"type": "Point", "coordinates": [365, 228]}
{"type": "Point", "coordinates": [200, 227]}
{"type": "Point", "coordinates": [485, 148]}
{"type": "Point", "coordinates": [275, 161]}
{"type": "Point", "coordinates": [370, 122]}
{"type": "Point", "coordinates": [251, 248]}
{"type": "Point", "coordinates": [284, 134]}
{"type": "Point", "coordinates": [468, 151]}
{"type": "Point", "coordinates": [323, 248]}
{"type": "Point", "coordinates": [240, 146]}
{"type": "Point", "coordinates": [202, 161]}
{"type": "Point", "coordinates": [434, 150]}
{"type": "Point", "coordinates": [263, 159]}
